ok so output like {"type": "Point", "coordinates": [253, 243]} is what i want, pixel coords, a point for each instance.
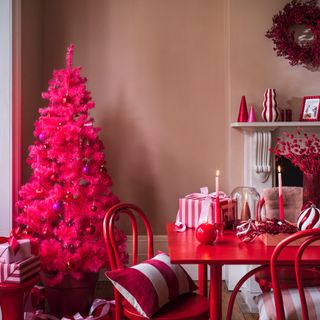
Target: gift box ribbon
{"type": "Point", "coordinates": [207, 199]}
{"type": "Point", "coordinates": [17, 234]}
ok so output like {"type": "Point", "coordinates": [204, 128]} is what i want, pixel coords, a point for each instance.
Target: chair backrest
{"type": "Point", "coordinates": [305, 239]}
{"type": "Point", "coordinates": [134, 214]}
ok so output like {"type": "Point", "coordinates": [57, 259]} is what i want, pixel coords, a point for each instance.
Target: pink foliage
{"type": "Point", "coordinates": [302, 149]}
{"type": "Point", "coordinates": [68, 193]}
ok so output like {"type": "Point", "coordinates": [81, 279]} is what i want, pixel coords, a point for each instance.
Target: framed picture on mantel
{"type": "Point", "coordinates": [310, 108]}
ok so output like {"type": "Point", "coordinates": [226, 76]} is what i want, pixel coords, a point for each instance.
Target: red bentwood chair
{"type": "Point", "coordinates": [269, 202]}
{"type": "Point", "coordinates": [284, 303]}
{"type": "Point", "coordinates": [155, 288]}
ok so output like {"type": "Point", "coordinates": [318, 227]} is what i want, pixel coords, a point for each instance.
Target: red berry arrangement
{"type": "Point", "coordinates": [302, 149]}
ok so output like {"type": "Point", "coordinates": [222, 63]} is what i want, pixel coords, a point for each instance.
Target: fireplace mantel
{"type": "Point", "coordinates": [259, 126]}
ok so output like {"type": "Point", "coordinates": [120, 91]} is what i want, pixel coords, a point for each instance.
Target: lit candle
{"type": "Point", "coordinates": [218, 211]}
{"type": "Point", "coordinates": [245, 212]}
{"type": "Point", "coordinates": [281, 210]}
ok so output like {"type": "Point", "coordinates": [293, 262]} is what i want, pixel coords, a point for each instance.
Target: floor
{"type": "Point", "coordinates": [104, 290]}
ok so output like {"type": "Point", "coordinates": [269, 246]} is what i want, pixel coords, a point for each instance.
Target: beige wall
{"type": "Point", "coordinates": [31, 73]}
{"type": "Point", "coordinates": [167, 77]}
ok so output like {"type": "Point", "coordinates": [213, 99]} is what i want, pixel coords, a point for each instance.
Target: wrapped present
{"type": "Point", "coordinates": [35, 299]}
{"type": "Point", "coordinates": [101, 309]}
{"type": "Point", "coordinates": [197, 208]}
{"type": "Point", "coordinates": [21, 249]}
{"type": "Point", "coordinates": [19, 271]}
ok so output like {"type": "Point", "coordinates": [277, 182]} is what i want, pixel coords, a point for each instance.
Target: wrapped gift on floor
{"type": "Point", "coordinates": [19, 271]}
{"type": "Point", "coordinates": [191, 209]}
{"type": "Point", "coordinates": [35, 299]}
{"type": "Point", "coordinates": [21, 249]}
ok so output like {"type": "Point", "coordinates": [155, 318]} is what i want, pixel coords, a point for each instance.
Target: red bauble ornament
{"type": "Point", "coordinates": [90, 229]}
{"type": "Point", "coordinates": [45, 231]}
{"type": "Point", "coordinates": [53, 177]}
{"type": "Point", "coordinates": [66, 99]}
{"type": "Point", "coordinates": [25, 208]}
{"type": "Point", "coordinates": [39, 192]}
{"type": "Point", "coordinates": [103, 169]}
{"type": "Point", "coordinates": [97, 146]}
{"type": "Point", "coordinates": [44, 147]}
{"type": "Point", "coordinates": [71, 248]}
{"type": "Point", "coordinates": [93, 208]}
{"type": "Point", "coordinates": [206, 233]}
{"type": "Point", "coordinates": [70, 265]}
{"type": "Point", "coordinates": [68, 197]}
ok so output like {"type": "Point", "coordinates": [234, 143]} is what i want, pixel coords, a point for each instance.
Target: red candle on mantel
{"type": "Point", "coordinates": [281, 210]}
{"type": "Point", "coordinates": [217, 211]}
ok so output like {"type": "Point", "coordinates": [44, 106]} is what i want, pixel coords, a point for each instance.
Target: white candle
{"type": "Point", "coordinates": [217, 182]}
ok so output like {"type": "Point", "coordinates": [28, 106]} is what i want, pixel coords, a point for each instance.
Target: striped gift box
{"type": "Point", "coordinates": [190, 210]}
{"type": "Point", "coordinates": [27, 248]}
{"type": "Point", "coordinates": [20, 271]}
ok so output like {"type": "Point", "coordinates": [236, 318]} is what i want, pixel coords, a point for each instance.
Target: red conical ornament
{"type": "Point", "coordinates": [252, 115]}
{"type": "Point", "coordinates": [243, 112]}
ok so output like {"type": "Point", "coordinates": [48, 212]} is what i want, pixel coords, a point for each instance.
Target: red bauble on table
{"type": "Point", "coordinates": [206, 233]}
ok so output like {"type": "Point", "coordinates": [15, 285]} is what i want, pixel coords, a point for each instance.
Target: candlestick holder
{"type": "Point", "coordinates": [247, 204]}
{"type": "Point", "coordinates": [219, 228]}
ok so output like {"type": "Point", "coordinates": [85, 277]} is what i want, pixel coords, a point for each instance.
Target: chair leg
{"type": "Point", "coordinates": [238, 286]}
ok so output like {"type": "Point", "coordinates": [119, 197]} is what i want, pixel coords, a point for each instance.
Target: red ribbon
{"type": "Point", "coordinates": [17, 234]}
{"type": "Point", "coordinates": [248, 230]}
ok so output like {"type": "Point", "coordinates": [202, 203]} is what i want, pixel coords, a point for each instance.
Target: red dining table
{"type": "Point", "coordinates": [227, 249]}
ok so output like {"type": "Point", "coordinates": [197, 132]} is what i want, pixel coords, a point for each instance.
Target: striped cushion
{"type": "Point", "coordinates": [151, 284]}
{"type": "Point", "coordinates": [291, 302]}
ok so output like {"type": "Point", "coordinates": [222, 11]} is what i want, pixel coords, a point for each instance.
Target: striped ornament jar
{"type": "Point", "coordinates": [270, 112]}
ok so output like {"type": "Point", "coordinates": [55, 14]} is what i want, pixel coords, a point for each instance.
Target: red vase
{"type": "Point", "coordinates": [71, 295]}
{"type": "Point", "coordinates": [311, 187]}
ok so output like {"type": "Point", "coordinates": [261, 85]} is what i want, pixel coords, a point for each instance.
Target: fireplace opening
{"type": "Point", "coordinates": [291, 175]}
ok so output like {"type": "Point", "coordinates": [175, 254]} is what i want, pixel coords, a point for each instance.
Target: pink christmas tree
{"type": "Point", "coordinates": [66, 198]}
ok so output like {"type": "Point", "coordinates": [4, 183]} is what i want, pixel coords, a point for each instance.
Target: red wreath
{"type": "Point", "coordinates": [297, 13]}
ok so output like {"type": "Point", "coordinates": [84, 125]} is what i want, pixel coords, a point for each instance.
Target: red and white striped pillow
{"type": "Point", "coordinates": [151, 284]}
{"type": "Point", "coordinates": [292, 304]}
